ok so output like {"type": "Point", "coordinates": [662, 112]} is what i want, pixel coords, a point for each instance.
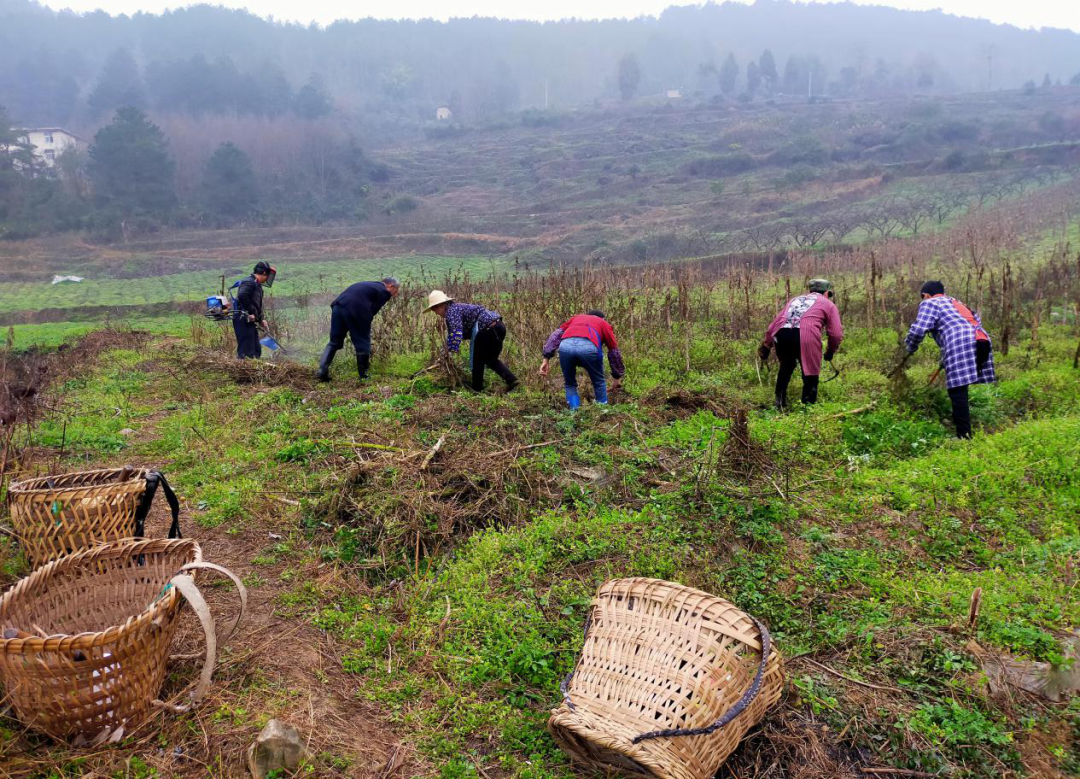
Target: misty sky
{"type": "Point", "coordinates": [1025, 13]}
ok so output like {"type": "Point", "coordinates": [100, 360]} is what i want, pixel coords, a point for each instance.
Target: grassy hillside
{"type": "Point", "coordinates": [429, 606]}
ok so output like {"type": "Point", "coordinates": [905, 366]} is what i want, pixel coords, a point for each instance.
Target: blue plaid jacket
{"type": "Point", "coordinates": [956, 337]}
{"type": "Point", "coordinates": [460, 320]}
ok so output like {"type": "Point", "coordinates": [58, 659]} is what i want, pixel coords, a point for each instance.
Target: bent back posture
{"type": "Point", "coordinates": [351, 313]}
{"type": "Point", "coordinates": [796, 332]}
{"type": "Point", "coordinates": [967, 354]}
{"type": "Point", "coordinates": [580, 341]}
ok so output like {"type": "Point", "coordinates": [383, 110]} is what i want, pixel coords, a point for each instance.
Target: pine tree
{"type": "Point", "coordinates": [229, 190]}
{"type": "Point", "coordinates": [118, 85]}
{"type": "Point", "coordinates": [767, 68]}
{"type": "Point", "coordinates": [794, 81]}
{"type": "Point", "coordinates": [130, 166]}
{"type": "Point", "coordinates": [753, 78]}
{"type": "Point", "coordinates": [17, 166]}
{"type": "Point", "coordinates": [312, 101]}
{"type": "Point", "coordinates": [629, 76]}
{"type": "Point", "coordinates": [729, 74]}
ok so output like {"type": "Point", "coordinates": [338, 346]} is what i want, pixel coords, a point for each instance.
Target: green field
{"type": "Point", "coordinates": [128, 295]}
{"type": "Point", "coordinates": [293, 279]}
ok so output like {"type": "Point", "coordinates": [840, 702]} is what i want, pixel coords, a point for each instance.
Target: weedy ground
{"type": "Point", "coordinates": [413, 613]}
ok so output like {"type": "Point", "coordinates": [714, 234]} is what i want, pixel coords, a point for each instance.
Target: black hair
{"type": "Point", "coordinates": [262, 267]}
{"type": "Point", "coordinates": [596, 312]}
{"type": "Point", "coordinates": [933, 288]}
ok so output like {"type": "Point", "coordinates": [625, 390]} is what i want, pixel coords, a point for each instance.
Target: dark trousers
{"type": "Point", "coordinates": [485, 351]}
{"type": "Point", "coordinates": [358, 330]}
{"type": "Point", "coordinates": [789, 352]}
{"type": "Point", "coordinates": [247, 339]}
{"type": "Point", "coordinates": [961, 411]}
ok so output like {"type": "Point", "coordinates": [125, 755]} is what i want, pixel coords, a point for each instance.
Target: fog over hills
{"type": "Point", "coordinates": [66, 68]}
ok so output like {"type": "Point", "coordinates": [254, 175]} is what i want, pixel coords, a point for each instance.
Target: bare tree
{"type": "Point", "coordinates": [808, 231]}
{"type": "Point", "coordinates": [843, 223]}
{"type": "Point", "coordinates": [766, 236]}
{"type": "Point", "coordinates": [881, 219]}
{"type": "Point", "coordinates": [913, 211]}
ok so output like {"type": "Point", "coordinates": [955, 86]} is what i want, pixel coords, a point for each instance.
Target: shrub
{"type": "Point", "coordinates": [721, 165]}
{"type": "Point", "coordinates": [402, 204]}
{"type": "Point", "coordinates": [958, 132]}
{"type": "Point", "coordinates": [954, 160]}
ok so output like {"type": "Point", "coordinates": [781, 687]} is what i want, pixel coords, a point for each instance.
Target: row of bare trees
{"type": "Point", "coordinates": [908, 213]}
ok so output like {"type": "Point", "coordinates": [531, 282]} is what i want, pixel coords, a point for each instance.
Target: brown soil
{"type": "Point", "coordinates": [276, 665]}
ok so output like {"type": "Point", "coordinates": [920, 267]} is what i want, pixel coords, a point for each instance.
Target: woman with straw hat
{"type": "Point", "coordinates": [486, 333]}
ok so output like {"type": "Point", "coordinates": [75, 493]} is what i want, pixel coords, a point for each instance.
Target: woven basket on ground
{"type": "Point", "coordinates": [57, 515]}
{"type": "Point", "coordinates": [669, 680]}
{"type": "Point", "coordinates": [86, 638]}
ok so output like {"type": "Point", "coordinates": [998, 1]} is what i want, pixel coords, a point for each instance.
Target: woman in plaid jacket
{"type": "Point", "coordinates": [966, 351]}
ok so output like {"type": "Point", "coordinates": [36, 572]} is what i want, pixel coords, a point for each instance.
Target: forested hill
{"type": "Point", "coordinates": [71, 69]}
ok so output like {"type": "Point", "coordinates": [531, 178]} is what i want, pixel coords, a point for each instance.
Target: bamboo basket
{"type": "Point", "coordinates": [669, 681]}
{"type": "Point", "coordinates": [86, 637]}
{"type": "Point", "coordinates": [56, 515]}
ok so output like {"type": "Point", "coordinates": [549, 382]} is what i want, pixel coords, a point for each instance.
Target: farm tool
{"type": "Point", "coordinates": [270, 342]}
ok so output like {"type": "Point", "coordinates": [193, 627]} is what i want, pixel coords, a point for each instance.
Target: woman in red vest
{"type": "Point", "coordinates": [580, 341]}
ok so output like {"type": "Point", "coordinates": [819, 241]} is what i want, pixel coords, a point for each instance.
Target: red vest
{"type": "Point", "coordinates": [594, 328]}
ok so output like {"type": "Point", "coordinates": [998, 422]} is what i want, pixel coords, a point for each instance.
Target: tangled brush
{"type": "Point", "coordinates": [262, 372]}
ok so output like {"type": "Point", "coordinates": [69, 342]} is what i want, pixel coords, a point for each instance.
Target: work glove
{"type": "Point", "coordinates": [763, 352]}
{"type": "Point", "coordinates": [829, 354]}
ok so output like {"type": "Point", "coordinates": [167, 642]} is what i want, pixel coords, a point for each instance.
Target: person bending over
{"type": "Point", "coordinates": [485, 331]}
{"type": "Point", "coordinates": [796, 332]}
{"type": "Point", "coordinates": [579, 341]}
{"type": "Point", "coordinates": [967, 353]}
{"type": "Point", "coordinates": [352, 312]}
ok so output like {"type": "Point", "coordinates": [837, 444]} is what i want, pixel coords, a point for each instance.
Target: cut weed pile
{"type": "Point", "coordinates": [421, 558]}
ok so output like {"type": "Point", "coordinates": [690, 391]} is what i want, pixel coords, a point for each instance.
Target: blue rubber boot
{"type": "Point", "coordinates": [573, 399]}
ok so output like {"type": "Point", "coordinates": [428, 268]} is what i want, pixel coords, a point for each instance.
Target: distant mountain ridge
{"type": "Point", "coordinates": [390, 73]}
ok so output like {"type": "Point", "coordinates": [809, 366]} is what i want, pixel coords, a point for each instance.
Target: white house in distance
{"type": "Point", "coordinates": [674, 94]}
{"type": "Point", "coordinates": [49, 142]}
{"type": "Point", "coordinates": [443, 113]}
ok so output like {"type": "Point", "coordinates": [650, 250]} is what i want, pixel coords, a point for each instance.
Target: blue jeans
{"type": "Point", "coordinates": [581, 352]}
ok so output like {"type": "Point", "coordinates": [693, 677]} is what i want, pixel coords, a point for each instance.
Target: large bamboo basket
{"type": "Point", "coordinates": [86, 638]}
{"type": "Point", "coordinates": [669, 680]}
{"type": "Point", "coordinates": [56, 515]}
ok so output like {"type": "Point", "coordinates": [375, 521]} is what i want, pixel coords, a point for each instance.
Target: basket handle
{"type": "Point", "coordinates": [740, 705]}
{"type": "Point", "coordinates": [153, 479]}
{"type": "Point", "coordinates": [186, 586]}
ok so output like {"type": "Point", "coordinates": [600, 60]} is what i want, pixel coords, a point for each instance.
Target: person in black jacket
{"type": "Point", "coordinates": [352, 313]}
{"type": "Point", "coordinates": [249, 312]}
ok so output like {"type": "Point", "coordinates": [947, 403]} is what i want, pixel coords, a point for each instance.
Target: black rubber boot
{"type": "Point", "coordinates": [507, 375]}
{"type": "Point", "coordinates": [363, 362]}
{"type": "Point", "coordinates": [809, 389]}
{"type": "Point", "coordinates": [323, 374]}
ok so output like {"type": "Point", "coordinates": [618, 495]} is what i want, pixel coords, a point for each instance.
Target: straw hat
{"type": "Point", "coordinates": [436, 297]}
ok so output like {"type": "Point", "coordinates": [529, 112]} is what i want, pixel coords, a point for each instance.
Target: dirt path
{"type": "Point", "coordinates": [278, 664]}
